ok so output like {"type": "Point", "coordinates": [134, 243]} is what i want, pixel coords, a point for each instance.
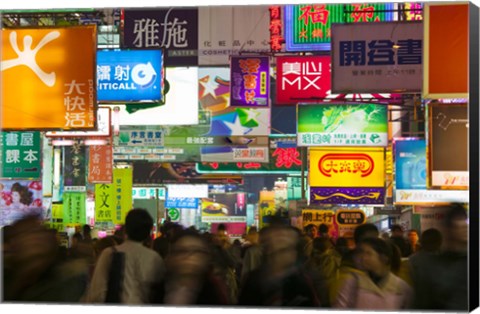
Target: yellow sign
{"type": "Point", "coordinates": [48, 78]}
{"type": "Point", "coordinates": [346, 167]}
{"type": "Point", "coordinates": [57, 217]}
{"type": "Point", "coordinates": [317, 217]}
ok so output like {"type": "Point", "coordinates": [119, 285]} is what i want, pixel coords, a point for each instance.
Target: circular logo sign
{"type": "Point", "coordinates": [174, 214]}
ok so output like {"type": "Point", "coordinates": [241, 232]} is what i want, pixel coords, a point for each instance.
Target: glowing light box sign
{"type": "Point", "coordinates": [308, 27]}
{"type": "Point", "coordinates": [130, 75]}
{"type": "Point", "coordinates": [342, 125]}
{"type": "Point", "coordinates": [250, 81]}
{"type": "Point", "coordinates": [347, 176]}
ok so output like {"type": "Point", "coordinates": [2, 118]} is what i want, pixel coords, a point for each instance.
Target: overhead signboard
{"type": "Point", "coordinates": [21, 155]}
{"type": "Point", "coordinates": [250, 81]}
{"type": "Point", "coordinates": [448, 146]}
{"type": "Point", "coordinates": [350, 217]}
{"type": "Point", "coordinates": [342, 125]}
{"type": "Point", "coordinates": [130, 76]}
{"type": "Point", "coordinates": [100, 164]}
{"type": "Point", "coordinates": [446, 50]}
{"type": "Point", "coordinates": [317, 217]}
{"type": "Point", "coordinates": [57, 69]}
{"type": "Point", "coordinates": [234, 154]}
{"type": "Point", "coordinates": [173, 29]}
{"type": "Point", "coordinates": [308, 26]}
{"type": "Point", "coordinates": [307, 79]}
{"type": "Point", "coordinates": [74, 168]}
{"type": "Point", "coordinates": [104, 122]}
{"type": "Point", "coordinates": [226, 207]}
{"type": "Point", "coordinates": [346, 175]}
{"type": "Point", "coordinates": [383, 57]}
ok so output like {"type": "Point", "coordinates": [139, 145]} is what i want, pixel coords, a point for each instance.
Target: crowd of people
{"type": "Point", "coordinates": [276, 266]}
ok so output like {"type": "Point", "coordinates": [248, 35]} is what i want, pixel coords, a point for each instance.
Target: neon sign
{"type": "Point", "coordinates": [276, 28]}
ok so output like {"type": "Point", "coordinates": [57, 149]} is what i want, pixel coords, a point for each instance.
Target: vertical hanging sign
{"type": "Point", "coordinates": [100, 164]}
{"type": "Point", "coordinates": [276, 28]}
{"type": "Point", "coordinates": [74, 208]}
{"type": "Point", "coordinates": [104, 202]}
{"type": "Point", "coordinates": [250, 81]}
{"type": "Point", "coordinates": [122, 184]}
{"type": "Point", "coordinates": [74, 177]}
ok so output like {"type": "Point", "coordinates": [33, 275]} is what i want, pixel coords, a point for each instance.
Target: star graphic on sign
{"type": "Point", "coordinates": [209, 87]}
{"type": "Point", "coordinates": [236, 128]}
{"type": "Point", "coordinates": [248, 117]}
{"type": "Point", "coordinates": [303, 34]}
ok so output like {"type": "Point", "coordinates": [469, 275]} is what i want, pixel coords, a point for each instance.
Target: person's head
{"type": "Point", "coordinates": [323, 230]}
{"type": "Point", "coordinates": [21, 194]}
{"type": "Point", "coordinates": [138, 225]}
{"type": "Point", "coordinates": [76, 237]}
{"type": "Point", "coordinates": [364, 231]}
{"type": "Point", "coordinates": [281, 246]}
{"type": "Point", "coordinates": [311, 230]}
{"type": "Point", "coordinates": [190, 255]}
{"type": "Point", "coordinates": [456, 223]}
{"type": "Point", "coordinates": [375, 255]}
{"type": "Point", "coordinates": [431, 240]}
{"type": "Point", "coordinates": [412, 236]}
{"type": "Point", "coordinates": [397, 231]}
{"type": "Point", "coordinates": [87, 231]}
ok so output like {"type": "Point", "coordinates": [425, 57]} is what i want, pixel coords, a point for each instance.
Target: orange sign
{"type": "Point", "coordinates": [446, 34]}
{"type": "Point", "coordinates": [100, 164]}
{"type": "Point", "coordinates": [346, 167]}
{"type": "Point", "coordinates": [48, 78]}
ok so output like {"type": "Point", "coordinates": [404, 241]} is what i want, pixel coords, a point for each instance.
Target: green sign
{"type": "Point", "coordinates": [174, 214]}
{"type": "Point", "coordinates": [308, 26]}
{"type": "Point", "coordinates": [342, 125]}
{"type": "Point", "coordinates": [21, 155]}
{"type": "Point", "coordinates": [294, 188]}
{"type": "Point", "coordinates": [74, 208]}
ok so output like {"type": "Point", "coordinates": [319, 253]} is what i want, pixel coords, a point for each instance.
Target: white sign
{"type": "Point", "coordinates": [103, 127]}
{"type": "Point", "coordinates": [409, 197]}
{"type": "Point", "coordinates": [250, 154]}
{"type": "Point", "coordinates": [187, 190]}
{"type": "Point", "coordinates": [450, 178]}
{"type": "Point", "coordinates": [228, 30]}
{"type": "Point", "coordinates": [379, 57]}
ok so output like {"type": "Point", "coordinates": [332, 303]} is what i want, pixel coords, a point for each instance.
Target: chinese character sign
{"type": "Point", "coordinates": [308, 27]}
{"type": "Point", "coordinates": [74, 208]}
{"type": "Point", "coordinates": [104, 202]}
{"type": "Point", "coordinates": [350, 217]}
{"type": "Point", "coordinates": [74, 167]}
{"type": "Point", "coordinates": [19, 198]}
{"type": "Point", "coordinates": [122, 185]}
{"type": "Point", "coordinates": [381, 57]}
{"type": "Point", "coordinates": [250, 81]}
{"type": "Point", "coordinates": [276, 28]}
{"type": "Point", "coordinates": [342, 125]}
{"type": "Point", "coordinates": [174, 29]}
{"type": "Point", "coordinates": [181, 202]}
{"type": "Point", "coordinates": [130, 76]}
{"type": "Point", "coordinates": [56, 67]}
{"type": "Point", "coordinates": [103, 127]}
{"type": "Point", "coordinates": [21, 154]}
{"type": "Point", "coordinates": [346, 176]}
{"type": "Point", "coordinates": [317, 217]}
{"type": "Point", "coordinates": [100, 164]}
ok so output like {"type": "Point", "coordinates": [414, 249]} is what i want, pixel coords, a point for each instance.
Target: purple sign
{"type": "Point", "coordinates": [175, 30]}
{"type": "Point", "coordinates": [347, 195]}
{"type": "Point", "coordinates": [250, 81]}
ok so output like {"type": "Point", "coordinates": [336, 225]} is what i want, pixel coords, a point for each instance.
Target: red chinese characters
{"type": "Point", "coordinates": [276, 38]}
{"type": "Point", "coordinates": [362, 13]}
{"type": "Point", "coordinates": [286, 157]}
{"type": "Point", "coordinates": [314, 14]}
{"type": "Point", "coordinates": [343, 163]}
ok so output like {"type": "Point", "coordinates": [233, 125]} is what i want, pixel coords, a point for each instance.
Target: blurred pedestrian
{"type": "Point", "coordinates": [377, 288]}
{"type": "Point", "coordinates": [281, 279]}
{"type": "Point", "coordinates": [398, 238]}
{"type": "Point", "coordinates": [138, 268]}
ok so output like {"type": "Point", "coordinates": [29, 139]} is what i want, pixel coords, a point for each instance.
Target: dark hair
{"type": "Point", "coordinates": [381, 247]}
{"type": "Point", "coordinates": [431, 240]}
{"type": "Point", "coordinates": [455, 211]}
{"type": "Point", "coordinates": [396, 260]}
{"type": "Point", "coordinates": [362, 230]}
{"type": "Point", "coordinates": [26, 196]}
{"type": "Point", "coordinates": [86, 229]}
{"type": "Point", "coordinates": [396, 228]}
{"type": "Point", "coordinates": [323, 228]}
{"type": "Point", "coordinates": [78, 236]}
{"type": "Point", "coordinates": [138, 224]}
{"type": "Point", "coordinates": [321, 245]}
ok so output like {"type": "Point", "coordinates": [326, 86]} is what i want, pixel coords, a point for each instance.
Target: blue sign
{"type": "Point", "coordinates": [181, 202]}
{"type": "Point", "coordinates": [130, 76]}
{"type": "Point", "coordinates": [410, 164]}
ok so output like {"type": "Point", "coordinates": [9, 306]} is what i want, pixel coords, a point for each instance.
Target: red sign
{"type": "Point", "coordinates": [100, 164]}
{"type": "Point", "coordinates": [276, 38]}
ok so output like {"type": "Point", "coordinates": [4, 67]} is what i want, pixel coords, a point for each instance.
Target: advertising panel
{"type": "Point", "coordinates": [228, 30]}
{"type": "Point", "coordinates": [214, 96]}
{"type": "Point", "coordinates": [19, 198]}
{"type": "Point", "coordinates": [308, 27]}
{"type": "Point", "coordinates": [342, 125]}
{"type": "Point", "coordinates": [227, 207]}
{"type": "Point", "coordinates": [347, 176]}
{"type": "Point", "coordinates": [174, 29]}
{"type": "Point", "coordinates": [180, 108]}
{"type": "Point", "coordinates": [448, 146]}
{"type": "Point", "coordinates": [383, 57]}
{"type": "Point", "coordinates": [74, 168]}
{"type": "Point", "coordinates": [100, 164]}
{"type": "Point", "coordinates": [130, 76]}
{"type": "Point", "coordinates": [446, 50]}
{"type": "Point", "coordinates": [307, 79]}
{"type": "Point", "coordinates": [57, 66]}
{"type": "Point", "coordinates": [104, 122]}
{"type": "Point", "coordinates": [21, 155]}
{"type": "Point", "coordinates": [250, 81]}
{"type": "Point", "coordinates": [74, 208]}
